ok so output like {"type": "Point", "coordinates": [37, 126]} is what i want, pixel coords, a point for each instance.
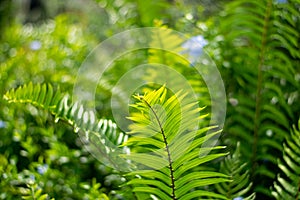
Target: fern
{"type": "Point", "coordinates": [171, 142]}
{"type": "Point", "coordinates": [260, 42]}
{"type": "Point", "coordinates": [288, 185]}
{"type": "Point", "coordinates": [165, 144]}
{"type": "Point", "coordinates": [100, 136]}
{"type": "Point", "coordinates": [240, 185]}
{"type": "Point", "coordinates": [171, 54]}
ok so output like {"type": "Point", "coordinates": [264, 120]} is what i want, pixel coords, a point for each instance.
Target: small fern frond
{"type": "Point", "coordinates": [287, 185]}
{"type": "Point", "coordinates": [100, 136]}
{"type": "Point", "coordinates": [165, 144]}
{"type": "Point", "coordinates": [38, 95]}
{"type": "Point", "coordinates": [168, 43]}
{"type": "Point", "coordinates": [240, 185]}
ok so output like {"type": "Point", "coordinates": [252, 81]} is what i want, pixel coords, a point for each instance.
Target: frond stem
{"type": "Point", "coordinates": [167, 149]}
{"type": "Point", "coordinates": [260, 85]}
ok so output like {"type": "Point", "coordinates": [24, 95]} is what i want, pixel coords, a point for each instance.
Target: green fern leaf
{"type": "Point", "coordinates": [287, 185]}
{"type": "Point", "coordinates": [262, 49]}
{"type": "Point", "coordinates": [101, 137]}
{"type": "Point", "coordinates": [165, 144]}
{"type": "Point", "coordinates": [240, 185]}
{"type": "Point", "coordinates": [171, 53]}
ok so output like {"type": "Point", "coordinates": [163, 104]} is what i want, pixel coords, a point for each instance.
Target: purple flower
{"type": "Point", "coordinates": [281, 1]}
{"type": "Point", "coordinates": [193, 47]}
{"type": "Point", "coordinates": [35, 45]}
{"type": "Point", "coordinates": [42, 169]}
{"type": "Point", "coordinates": [32, 177]}
{"type": "Point", "coordinates": [2, 124]}
{"type": "Point", "coordinates": [238, 198]}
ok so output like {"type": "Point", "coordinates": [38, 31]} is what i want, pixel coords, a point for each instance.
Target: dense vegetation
{"type": "Point", "coordinates": [173, 144]}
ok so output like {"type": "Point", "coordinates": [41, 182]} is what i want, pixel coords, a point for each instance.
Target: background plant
{"type": "Point", "coordinates": [259, 58]}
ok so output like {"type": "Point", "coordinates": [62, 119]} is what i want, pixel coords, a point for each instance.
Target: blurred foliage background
{"type": "Point", "coordinates": [46, 41]}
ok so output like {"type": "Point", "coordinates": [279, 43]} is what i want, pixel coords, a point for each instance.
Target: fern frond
{"type": "Point", "coordinates": [262, 53]}
{"type": "Point", "coordinates": [287, 185]}
{"type": "Point", "coordinates": [165, 144]}
{"type": "Point", "coordinates": [101, 137]}
{"type": "Point", "coordinates": [175, 69]}
{"type": "Point", "coordinates": [240, 185]}
{"type": "Point", "coordinates": [169, 43]}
